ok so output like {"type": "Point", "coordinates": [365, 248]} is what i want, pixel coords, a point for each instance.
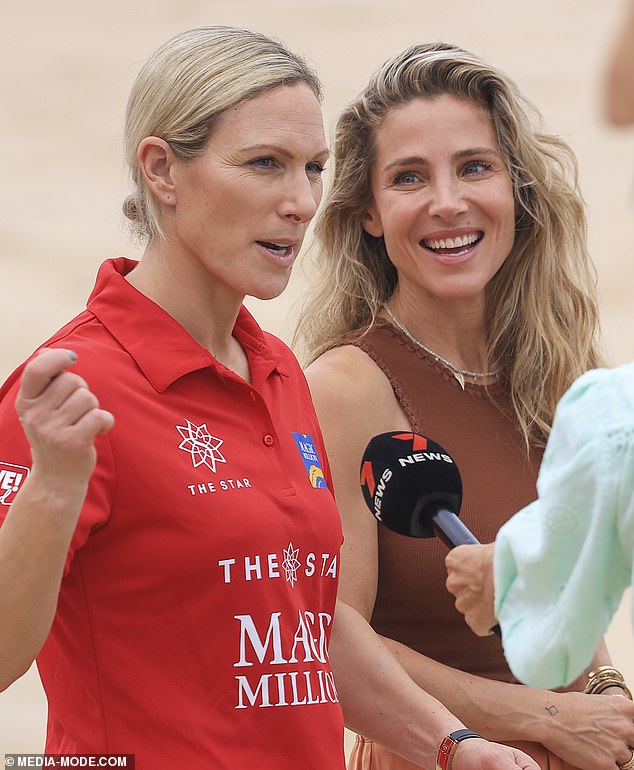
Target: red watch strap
{"type": "Point", "coordinates": [448, 747]}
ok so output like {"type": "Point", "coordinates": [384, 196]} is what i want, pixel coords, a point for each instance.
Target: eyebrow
{"type": "Point", "coordinates": [281, 150]}
{"type": "Point", "coordinates": [416, 160]}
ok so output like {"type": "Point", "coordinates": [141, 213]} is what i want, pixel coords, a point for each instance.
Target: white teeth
{"type": "Point", "coordinates": [452, 243]}
{"type": "Point", "coordinates": [272, 246]}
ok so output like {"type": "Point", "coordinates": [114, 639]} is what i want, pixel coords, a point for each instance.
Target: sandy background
{"type": "Point", "coordinates": [65, 70]}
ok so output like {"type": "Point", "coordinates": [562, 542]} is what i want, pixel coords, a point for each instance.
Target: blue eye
{"type": "Point", "coordinates": [263, 162]}
{"type": "Point", "coordinates": [477, 167]}
{"type": "Point", "coordinates": [315, 168]}
{"type": "Point", "coordinates": [406, 177]}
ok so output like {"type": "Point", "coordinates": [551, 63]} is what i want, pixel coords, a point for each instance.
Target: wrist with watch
{"type": "Point", "coordinates": [448, 747]}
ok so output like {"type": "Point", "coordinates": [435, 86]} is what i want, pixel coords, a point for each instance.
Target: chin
{"type": "Point", "coordinates": [264, 296]}
{"type": "Point", "coordinates": [271, 290]}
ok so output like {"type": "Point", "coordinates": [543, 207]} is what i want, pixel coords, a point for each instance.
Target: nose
{"type": "Point", "coordinates": [301, 199]}
{"type": "Point", "coordinates": [446, 199]}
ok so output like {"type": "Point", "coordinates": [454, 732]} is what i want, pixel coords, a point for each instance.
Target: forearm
{"type": "Point", "coordinates": [587, 731]}
{"type": "Point", "coordinates": [379, 699]}
{"type": "Point", "coordinates": [476, 701]}
{"type": "Point", "coordinates": [60, 417]}
{"type": "Point", "coordinates": [34, 541]}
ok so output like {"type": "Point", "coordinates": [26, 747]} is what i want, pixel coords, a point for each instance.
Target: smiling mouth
{"type": "Point", "coordinates": [453, 246]}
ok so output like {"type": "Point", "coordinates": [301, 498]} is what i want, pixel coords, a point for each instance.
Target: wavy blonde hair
{"type": "Point", "coordinates": [542, 316]}
{"type": "Point", "coordinates": [185, 85]}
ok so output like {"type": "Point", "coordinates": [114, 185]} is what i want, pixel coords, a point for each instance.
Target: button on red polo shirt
{"type": "Point", "coordinates": [195, 612]}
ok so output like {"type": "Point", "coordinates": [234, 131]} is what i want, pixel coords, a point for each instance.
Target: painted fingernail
{"type": "Point", "coordinates": [72, 355]}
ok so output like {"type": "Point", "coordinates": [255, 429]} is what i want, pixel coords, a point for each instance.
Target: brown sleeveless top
{"type": "Point", "coordinates": [477, 429]}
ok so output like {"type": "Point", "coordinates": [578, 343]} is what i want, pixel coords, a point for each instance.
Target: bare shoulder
{"type": "Point", "coordinates": [346, 377]}
{"type": "Point", "coordinates": [353, 398]}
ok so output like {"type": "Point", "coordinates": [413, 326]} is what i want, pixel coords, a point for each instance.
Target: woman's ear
{"type": "Point", "coordinates": [372, 223]}
{"type": "Point", "coordinates": [156, 159]}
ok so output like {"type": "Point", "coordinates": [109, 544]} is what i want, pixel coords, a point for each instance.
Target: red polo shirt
{"type": "Point", "coordinates": [195, 612]}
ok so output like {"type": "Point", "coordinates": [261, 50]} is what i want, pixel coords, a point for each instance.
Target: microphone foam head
{"type": "Point", "coordinates": [405, 479]}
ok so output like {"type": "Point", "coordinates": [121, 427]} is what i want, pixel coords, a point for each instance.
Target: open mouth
{"type": "Point", "coordinates": [453, 246]}
{"type": "Point", "coordinates": [279, 249]}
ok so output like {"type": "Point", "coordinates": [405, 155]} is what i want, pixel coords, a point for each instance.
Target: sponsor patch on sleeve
{"type": "Point", "coordinates": [310, 458]}
{"type": "Point", "coordinates": [11, 479]}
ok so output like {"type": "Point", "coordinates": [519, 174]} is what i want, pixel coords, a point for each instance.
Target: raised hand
{"type": "Point", "coordinates": [60, 416]}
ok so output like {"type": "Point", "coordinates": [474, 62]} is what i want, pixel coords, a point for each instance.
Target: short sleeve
{"type": "Point", "coordinates": [15, 453]}
{"type": "Point", "coordinates": [563, 562]}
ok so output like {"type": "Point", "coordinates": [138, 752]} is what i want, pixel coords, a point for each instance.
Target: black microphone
{"type": "Point", "coordinates": [413, 487]}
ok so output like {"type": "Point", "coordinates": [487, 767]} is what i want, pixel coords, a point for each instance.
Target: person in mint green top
{"type": "Point", "coordinates": [557, 571]}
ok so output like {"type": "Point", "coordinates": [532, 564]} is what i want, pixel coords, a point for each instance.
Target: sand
{"type": "Point", "coordinates": [67, 67]}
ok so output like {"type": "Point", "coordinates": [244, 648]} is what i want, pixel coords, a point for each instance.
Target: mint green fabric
{"type": "Point", "coordinates": [562, 563]}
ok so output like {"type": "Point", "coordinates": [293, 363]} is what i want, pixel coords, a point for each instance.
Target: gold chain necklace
{"type": "Point", "coordinates": [459, 374]}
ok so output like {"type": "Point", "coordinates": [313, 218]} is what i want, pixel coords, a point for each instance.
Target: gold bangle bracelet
{"type": "Point", "coordinates": [608, 684]}
{"type": "Point", "coordinates": [602, 678]}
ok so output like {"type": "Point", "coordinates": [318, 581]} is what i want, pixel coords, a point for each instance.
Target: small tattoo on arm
{"type": "Point", "coordinates": [552, 710]}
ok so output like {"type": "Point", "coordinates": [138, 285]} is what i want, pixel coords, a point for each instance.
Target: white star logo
{"type": "Point", "coordinates": [291, 564]}
{"type": "Point", "coordinates": [202, 446]}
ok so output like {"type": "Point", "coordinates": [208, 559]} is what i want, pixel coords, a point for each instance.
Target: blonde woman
{"type": "Point", "coordinates": [170, 544]}
{"type": "Point", "coordinates": [455, 298]}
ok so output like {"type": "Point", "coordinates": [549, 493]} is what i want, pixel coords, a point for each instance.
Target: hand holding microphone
{"type": "Point", "coordinates": [470, 580]}
{"type": "Point", "coordinates": [413, 487]}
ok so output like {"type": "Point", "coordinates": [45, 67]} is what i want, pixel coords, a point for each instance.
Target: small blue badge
{"type": "Point", "coordinates": [309, 455]}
